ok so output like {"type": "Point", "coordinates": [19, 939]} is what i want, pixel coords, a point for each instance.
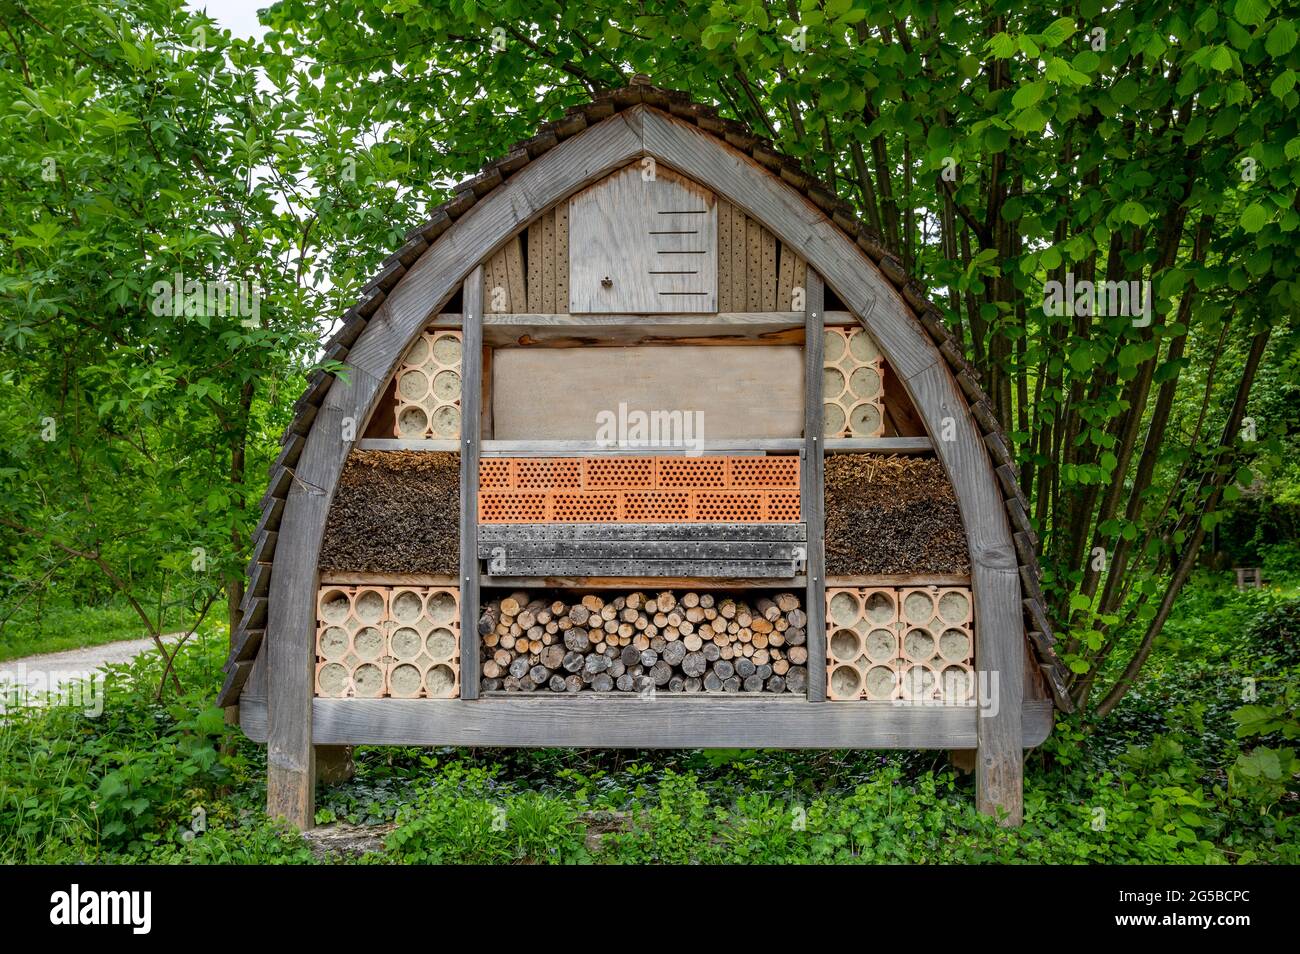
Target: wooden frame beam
{"type": "Point", "coordinates": [814, 483]}
{"type": "Point", "coordinates": [471, 397]}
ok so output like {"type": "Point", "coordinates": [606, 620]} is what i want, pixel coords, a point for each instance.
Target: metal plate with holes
{"type": "Point", "coordinates": [644, 240]}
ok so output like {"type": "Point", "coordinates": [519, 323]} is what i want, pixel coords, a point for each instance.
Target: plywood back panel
{"type": "Point", "coordinates": [643, 240]}
{"type": "Point", "coordinates": [565, 393]}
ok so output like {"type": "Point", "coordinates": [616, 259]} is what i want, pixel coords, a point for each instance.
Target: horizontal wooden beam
{"type": "Point", "coordinates": [635, 582]}
{"type": "Point", "coordinates": [902, 579]}
{"type": "Point", "coordinates": [354, 578]}
{"type": "Point", "coordinates": [878, 445]}
{"type": "Point", "coordinates": [666, 721]}
{"type": "Point", "coordinates": [402, 444]}
{"type": "Point", "coordinates": [523, 564]}
{"type": "Point", "coordinates": [834, 445]}
{"type": "Point", "coordinates": [508, 533]}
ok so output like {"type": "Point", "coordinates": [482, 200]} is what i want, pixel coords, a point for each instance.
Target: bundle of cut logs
{"type": "Point", "coordinates": [696, 642]}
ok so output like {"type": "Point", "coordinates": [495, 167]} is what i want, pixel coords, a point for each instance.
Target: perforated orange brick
{"type": "Point", "coordinates": [765, 472]}
{"type": "Point", "coordinates": [691, 472]}
{"type": "Point", "coordinates": [619, 473]}
{"type": "Point", "coordinates": [511, 506]}
{"type": "Point", "coordinates": [494, 473]}
{"type": "Point", "coordinates": [586, 506]}
{"type": "Point", "coordinates": [783, 506]}
{"type": "Point", "coordinates": [658, 506]}
{"type": "Point", "coordinates": [547, 473]}
{"type": "Point", "coordinates": [729, 507]}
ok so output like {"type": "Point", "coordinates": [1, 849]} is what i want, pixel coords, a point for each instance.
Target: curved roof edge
{"type": "Point", "coordinates": [247, 638]}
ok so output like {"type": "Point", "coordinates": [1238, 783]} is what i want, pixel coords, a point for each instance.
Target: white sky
{"type": "Point", "coordinates": [237, 16]}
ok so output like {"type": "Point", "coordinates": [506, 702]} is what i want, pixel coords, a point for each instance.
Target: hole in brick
{"type": "Point", "coordinates": [862, 347]}
{"type": "Point", "coordinates": [833, 417]}
{"type": "Point", "coordinates": [368, 643]}
{"type": "Point", "coordinates": [335, 606]}
{"type": "Point", "coordinates": [833, 345]}
{"type": "Point", "coordinates": [918, 682]}
{"type": "Point", "coordinates": [446, 421]}
{"type": "Point", "coordinates": [404, 680]}
{"type": "Point", "coordinates": [881, 682]}
{"type": "Point", "coordinates": [846, 645]}
{"type": "Point", "coordinates": [442, 644]}
{"type": "Point", "coordinates": [419, 352]}
{"type": "Point", "coordinates": [369, 680]}
{"type": "Point", "coordinates": [440, 682]}
{"type": "Point", "coordinates": [406, 643]}
{"type": "Point", "coordinates": [865, 383]}
{"type": "Point", "coordinates": [954, 644]}
{"type": "Point", "coordinates": [412, 422]}
{"type": "Point", "coordinates": [918, 645]}
{"type": "Point", "coordinates": [865, 420]}
{"type": "Point", "coordinates": [882, 645]}
{"type": "Point", "coordinates": [954, 607]}
{"type": "Point", "coordinates": [845, 609]}
{"type": "Point", "coordinates": [832, 383]}
{"type": "Point", "coordinates": [446, 349]}
{"type": "Point", "coordinates": [918, 607]}
{"type": "Point", "coordinates": [446, 386]}
{"type": "Point", "coordinates": [407, 607]}
{"type": "Point", "coordinates": [333, 642]}
{"type": "Point", "coordinates": [846, 681]}
{"type": "Point", "coordinates": [413, 385]}
{"type": "Point", "coordinates": [880, 608]}
{"type": "Point", "coordinates": [370, 606]}
{"type": "Point", "coordinates": [333, 679]}
{"type": "Point", "coordinates": [442, 606]}
{"type": "Point", "coordinates": [958, 685]}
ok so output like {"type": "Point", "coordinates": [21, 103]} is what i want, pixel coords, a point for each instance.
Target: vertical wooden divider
{"type": "Point", "coordinates": [814, 486]}
{"type": "Point", "coordinates": [471, 395]}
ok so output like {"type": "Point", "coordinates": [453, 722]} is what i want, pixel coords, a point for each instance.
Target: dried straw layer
{"type": "Point", "coordinates": [395, 512]}
{"type": "Point", "coordinates": [891, 515]}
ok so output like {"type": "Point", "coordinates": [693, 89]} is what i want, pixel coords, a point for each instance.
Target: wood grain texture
{"type": "Point", "coordinates": [670, 721]}
{"type": "Point", "coordinates": [562, 267]}
{"type": "Point", "coordinates": [814, 487]}
{"type": "Point", "coordinates": [725, 301]}
{"type": "Point", "coordinates": [631, 582]}
{"type": "Point", "coordinates": [471, 391]}
{"type": "Point", "coordinates": [507, 533]}
{"type": "Point", "coordinates": [643, 245]}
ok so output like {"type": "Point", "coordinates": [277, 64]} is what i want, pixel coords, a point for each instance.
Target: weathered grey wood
{"type": "Point", "coordinates": [519, 532]}
{"type": "Point", "coordinates": [658, 550]}
{"type": "Point", "coordinates": [1000, 665]}
{"type": "Point", "coordinates": [533, 448]}
{"type": "Point", "coordinates": [878, 445]}
{"type": "Point", "coordinates": [355, 578]}
{"type": "Point", "coordinates": [404, 444]}
{"type": "Point", "coordinates": [631, 582]}
{"type": "Point", "coordinates": [523, 565]}
{"type": "Point", "coordinates": [622, 330]}
{"type": "Point", "coordinates": [471, 384]}
{"type": "Point", "coordinates": [814, 485]}
{"type": "Point", "coordinates": [612, 720]}
{"type": "Point", "coordinates": [497, 323]}
{"type": "Point", "coordinates": [901, 579]}
{"type": "Point", "coordinates": [643, 240]}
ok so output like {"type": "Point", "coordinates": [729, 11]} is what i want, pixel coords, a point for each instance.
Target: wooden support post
{"type": "Point", "coordinates": [814, 486]}
{"type": "Point", "coordinates": [1000, 667]}
{"type": "Point", "coordinates": [470, 404]}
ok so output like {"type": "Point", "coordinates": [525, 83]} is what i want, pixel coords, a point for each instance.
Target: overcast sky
{"type": "Point", "coordinates": [237, 16]}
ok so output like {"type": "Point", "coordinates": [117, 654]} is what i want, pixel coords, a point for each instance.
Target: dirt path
{"type": "Point", "coordinates": [72, 664]}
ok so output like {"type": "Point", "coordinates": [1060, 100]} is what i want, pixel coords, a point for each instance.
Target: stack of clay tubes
{"type": "Point", "coordinates": [428, 388]}
{"type": "Point", "coordinates": [852, 387]}
{"type": "Point", "coordinates": [398, 641]}
{"type": "Point", "coordinates": [910, 644]}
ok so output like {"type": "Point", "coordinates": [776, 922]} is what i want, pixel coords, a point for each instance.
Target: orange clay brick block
{"type": "Point", "coordinates": [782, 506]}
{"type": "Point", "coordinates": [728, 507]}
{"type": "Point", "coordinates": [765, 472]}
{"type": "Point", "coordinates": [586, 506]}
{"type": "Point", "coordinates": [494, 473]}
{"type": "Point", "coordinates": [512, 506]}
{"type": "Point", "coordinates": [658, 506]}
{"type": "Point", "coordinates": [619, 473]}
{"type": "Point", "coordinates": [547, 473]}
{"type": "Point", "coordinates": [691, 473]}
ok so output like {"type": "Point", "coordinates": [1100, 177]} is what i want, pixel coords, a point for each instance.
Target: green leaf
{"type": "Point", "coordinates": [1221, 59]}
{"type": "Point", "coordinates": [1059, 31]}
{"type": "Point", "coordinates": [1281, 39]}
{"type": "Point", "coordinates": [1282, 83]}
{"type": "Point", "coordinates": [1250, 12]}
{"type": "Point", "coordinates": [1028, 94]}
{"type": "Point", "coordinates": [1254, 218]}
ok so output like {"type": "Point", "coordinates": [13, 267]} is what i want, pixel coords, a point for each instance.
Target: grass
{"type": "Point", "coordinates": [52, 629]}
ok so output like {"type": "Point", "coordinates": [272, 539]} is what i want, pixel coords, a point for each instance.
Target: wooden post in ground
{"type": "Point", "coordinates": [471, 391]}
{"type": "Point", "coordinates": [814, 486]}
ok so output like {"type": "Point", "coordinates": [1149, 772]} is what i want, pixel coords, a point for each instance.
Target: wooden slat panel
{"type": "Point", "coordinates": [768, 301]}
{"type": "Point", "coordinates": [785, 278]}
{"type": "Point", "coordinates": [562, 257]}
{"type": "Point", "coordinates": [516, 278]}
{"type": "Point", "coordinates": [535, 253]}
{"type": "Point", "coordinates": [753, 266]}
{"type": "Point", "coordinates": [739, 285]}
{"type": "Point", "coordinates": [725, 212]}
{"type": "Point", "coordinates": [643, 245]}
{"type": "Point", "coordinates": [548, 261]}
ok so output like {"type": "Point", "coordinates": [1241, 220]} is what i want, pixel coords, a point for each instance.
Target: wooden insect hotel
{"type": "Point", "coordinates": [644, 442]}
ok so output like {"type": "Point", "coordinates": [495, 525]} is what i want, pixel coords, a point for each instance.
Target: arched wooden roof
{"type": "Point", "coordinates": [386, 309]}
